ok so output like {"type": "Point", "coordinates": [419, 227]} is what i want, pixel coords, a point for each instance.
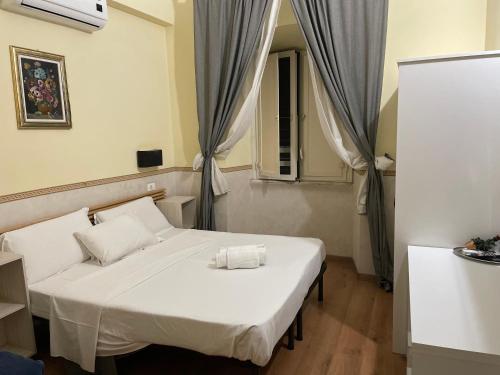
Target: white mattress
{"type": "Point", "coordinates": [171, 294]}
{"type": "Point", "coordinates": [41, 292]}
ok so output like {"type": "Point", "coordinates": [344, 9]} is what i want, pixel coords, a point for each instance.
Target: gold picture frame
{"type": "Point", "coordinates": [40, 89]}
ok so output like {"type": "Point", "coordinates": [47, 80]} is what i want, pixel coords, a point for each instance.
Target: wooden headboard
{"type": "Point", "coordinates": [155, 194]}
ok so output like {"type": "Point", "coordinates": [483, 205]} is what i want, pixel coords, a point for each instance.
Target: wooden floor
{"type": "Point", "coordinates": [349, 333]}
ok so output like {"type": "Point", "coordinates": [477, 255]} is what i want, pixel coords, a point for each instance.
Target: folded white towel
{"type": "Point", "coordinates": [248, 256]}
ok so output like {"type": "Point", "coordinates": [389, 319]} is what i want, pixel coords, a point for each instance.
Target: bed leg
{"type": "Point", "coordinates": [300, 337]}
{"type": "Point", "coordinates": [256, 370]}
{"type": "Point", "coordinates": [291, 336]}
{"type": "Point", "coordinates": [106, 366]}
{"type": "Point", "coordinates": [103, 366]}
{"type": "Point", "coordinates": [320, 289]}
{"type": "Point", "coordinates": [71, 368]}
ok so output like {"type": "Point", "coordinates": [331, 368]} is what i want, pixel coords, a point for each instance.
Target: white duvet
{"type": "Point", "coordinates": [172, 294]}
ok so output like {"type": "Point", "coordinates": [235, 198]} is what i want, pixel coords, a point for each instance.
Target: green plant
{"type": "Point", "coordinates": [485, 245]}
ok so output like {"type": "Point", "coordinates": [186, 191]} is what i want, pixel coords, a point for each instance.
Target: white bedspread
{"type": "Point", "coordinates": [172, 294]}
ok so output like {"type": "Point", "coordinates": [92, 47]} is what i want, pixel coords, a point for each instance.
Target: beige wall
{"type": "Point", "coordinates": [493, 25]}
{"type": "Point", "coordinates": [180, 42]}
{"type": "Point", "coordinates": [185, 118]}
{"type": "Point", "coordinates": [159, 11]}
{"type": "Point", "coordinates": [415, 28]}
{"type": "Point", "coordinates": [98, 65]}
{"type": "Point", "coordinates": [118, 88]}
{"type": "Point", "coordinates": [424, 28]}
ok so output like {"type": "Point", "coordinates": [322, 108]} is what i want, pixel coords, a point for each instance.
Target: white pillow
{"type": "Point", "coordinates": [112, 240]}
{"type": "Point", "coordinates": [49, 247]}
{"type": "Point", "coordinates": [144, 209]}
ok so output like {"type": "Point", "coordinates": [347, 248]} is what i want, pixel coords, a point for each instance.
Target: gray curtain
{"type": "Point", "coordinates": [346, 40]}
{"type": "Point", "coordinates": [227, 33]}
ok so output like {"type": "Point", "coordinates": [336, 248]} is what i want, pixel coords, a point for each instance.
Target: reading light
{"type": "Point", "coordinates": [149, 158]}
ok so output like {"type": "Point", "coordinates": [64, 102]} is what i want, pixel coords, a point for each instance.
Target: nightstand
{"type": "Point", "coordinates": [16, 327]}
{"type": "Point", "coordinates": [179, 210]}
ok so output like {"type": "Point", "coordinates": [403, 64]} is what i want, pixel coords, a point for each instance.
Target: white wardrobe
{"type": "Point", "coordinates": [448, 162]}
{"type": "Point", "coordinates": [448, 167]}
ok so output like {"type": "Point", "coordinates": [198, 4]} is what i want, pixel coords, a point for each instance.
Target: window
{"type": "Point", "coordinates": [290, 143]}
{"type": "Point", "coordinates": [277, 117]}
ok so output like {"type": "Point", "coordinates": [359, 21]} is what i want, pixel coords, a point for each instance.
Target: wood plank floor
{"type": "Point", "coordinates": [348, 334]}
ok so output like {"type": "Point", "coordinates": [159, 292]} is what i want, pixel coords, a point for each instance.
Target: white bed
{"type": "Point", "coordinates": [171, 294]}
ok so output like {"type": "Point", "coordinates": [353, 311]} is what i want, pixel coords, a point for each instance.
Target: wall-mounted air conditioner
{"type": "Point", "coordinates": [86, 15]}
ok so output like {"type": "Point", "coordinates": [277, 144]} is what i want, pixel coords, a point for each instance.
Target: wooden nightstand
{"type": "Point", "coordinates": [16, 327]}
{"type": "Point", "coordinates": [179, 210]}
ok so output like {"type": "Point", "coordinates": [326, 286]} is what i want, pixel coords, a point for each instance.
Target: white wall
{"type": "Point", "coordinates": [293, 209]}
{"type": "Point", "coordinates": [304, 209]}
{"type": "Point", "coordinates": [25, 211]}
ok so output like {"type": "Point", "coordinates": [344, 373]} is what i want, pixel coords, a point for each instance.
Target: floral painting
{"type": "Point", "coordinates": [40, 88]}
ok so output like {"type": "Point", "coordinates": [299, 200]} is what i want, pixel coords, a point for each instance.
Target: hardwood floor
{"type": "Point", "coordinates": [349, 333]}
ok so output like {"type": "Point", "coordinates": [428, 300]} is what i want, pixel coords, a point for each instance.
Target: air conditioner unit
{"type": "Point", "coordinates": [86, 15]}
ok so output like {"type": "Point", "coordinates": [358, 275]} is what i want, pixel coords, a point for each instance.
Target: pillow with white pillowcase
{"type": "Point", "coordinates": [144, 209]}
{"type": "Point", "coordinates": [114, 239]}
{"type": "Point", "coordinates": [48, 247]}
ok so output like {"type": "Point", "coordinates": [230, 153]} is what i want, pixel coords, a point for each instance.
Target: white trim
{"type": "Point", "coordinates": [459, 56]}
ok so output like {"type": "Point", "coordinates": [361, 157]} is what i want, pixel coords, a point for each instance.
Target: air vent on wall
{"type": "Point", "coordinates": [86, 15]}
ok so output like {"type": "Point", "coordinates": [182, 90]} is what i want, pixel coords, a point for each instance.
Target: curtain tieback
{"type": "Point", "coordinates": [381, 163]}
{"type": "Point", "coordinates": [219, 182]}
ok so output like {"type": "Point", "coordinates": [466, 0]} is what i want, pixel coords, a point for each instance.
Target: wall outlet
{"type": "Point", "coordinates": [151, 186]}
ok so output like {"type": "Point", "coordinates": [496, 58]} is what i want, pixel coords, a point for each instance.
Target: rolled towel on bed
{"type": "Point", "coordinates": [249, 256]}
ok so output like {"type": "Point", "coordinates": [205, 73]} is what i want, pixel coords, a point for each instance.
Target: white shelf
{"type": "Point", "coordinates": [16, 325]}
{"type": "Point", "coordinates": [180, 199]}
{"type": "Point", "coordinates": [7, 308]}
{"type": "Point", "coordinates": [17, 350]}
{"type": "Point", "coordinates": [180, 210]}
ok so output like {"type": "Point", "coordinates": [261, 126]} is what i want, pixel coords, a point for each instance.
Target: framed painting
{"type": "Point", "coordinates": [40, 89]}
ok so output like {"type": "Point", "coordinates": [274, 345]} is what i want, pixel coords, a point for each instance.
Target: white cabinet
{"type": "Point", "coordinates": [16, 326]}
{"type": "Point", "coordinates": [179, 210]}
{"type": "Point", "coordinates": [448, 174]}
{"type": "Point", "coordinates": [454, 308]}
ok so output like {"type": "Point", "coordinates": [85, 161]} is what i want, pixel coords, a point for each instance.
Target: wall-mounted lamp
{"type": "Point", "coordinates": [149, 158]}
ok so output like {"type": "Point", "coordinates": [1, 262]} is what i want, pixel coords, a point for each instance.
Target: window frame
{"type": "Point", "coordinates": [299, 80]}
{"type": "Point", "coordinates": [294, 133]}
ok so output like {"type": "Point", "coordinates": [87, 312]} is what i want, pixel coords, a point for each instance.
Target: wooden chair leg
{"type": "Point", "coordinates": [300, 337]}
{"type": "Point", "coordinates": [291, 336]}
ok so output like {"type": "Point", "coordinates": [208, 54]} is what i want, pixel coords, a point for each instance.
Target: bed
{"type": "Point", "coordinates": [171, 294]}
